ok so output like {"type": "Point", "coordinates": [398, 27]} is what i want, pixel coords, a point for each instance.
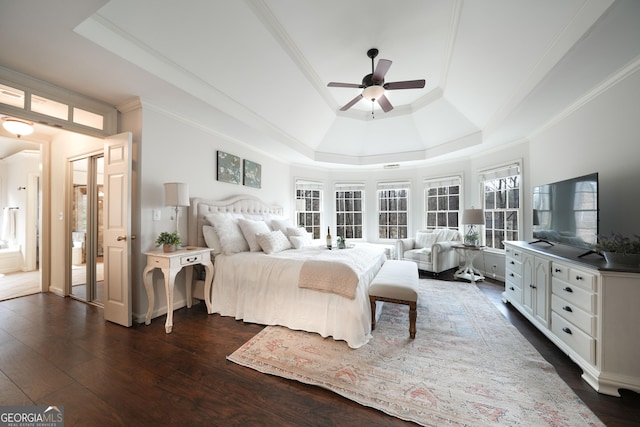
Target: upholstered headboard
{"type": "Point", "coordinates": [200, 208]}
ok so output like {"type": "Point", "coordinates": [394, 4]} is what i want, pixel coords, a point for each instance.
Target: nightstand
{"type": "Point", "coordinates": [467, 271]}
{"type": "Point", "coordinates": [171, 263]}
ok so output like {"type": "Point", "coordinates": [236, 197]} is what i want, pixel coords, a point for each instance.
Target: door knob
{"type": "Point", "coordinates": [121, 238]}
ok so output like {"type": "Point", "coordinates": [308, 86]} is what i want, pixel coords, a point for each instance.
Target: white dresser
{"type": "Point", "coordinates": [588, 309]}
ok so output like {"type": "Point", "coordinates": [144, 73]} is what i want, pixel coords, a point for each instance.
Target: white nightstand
{"type": "Point", "coordinates": [467, 271]}
{"type": "Point", "coordinates": [171, 263]}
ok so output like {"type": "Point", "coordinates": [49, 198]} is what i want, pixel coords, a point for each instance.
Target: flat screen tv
{"type": "Point", "coordinates": [567, 212]}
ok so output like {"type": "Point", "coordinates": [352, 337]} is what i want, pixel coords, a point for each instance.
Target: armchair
{"type": "Point", "coordinates": [432, 250]}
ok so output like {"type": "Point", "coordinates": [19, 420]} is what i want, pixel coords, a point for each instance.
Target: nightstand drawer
{"type": "Point", "coordinates": [190, 259]}
{"type": "Point", "coordinates": [584, 345]}
{"type": "Point", "coordinates": [572, 313]}
{"type": "Point", "coordinates": [582, 278]}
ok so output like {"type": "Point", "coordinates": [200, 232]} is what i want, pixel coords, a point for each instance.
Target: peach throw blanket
{"type": "Point", "coordinates": [329, 276]}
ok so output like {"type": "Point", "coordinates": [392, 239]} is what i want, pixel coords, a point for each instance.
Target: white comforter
{"type": "Point", "coordinates": [260, 288]}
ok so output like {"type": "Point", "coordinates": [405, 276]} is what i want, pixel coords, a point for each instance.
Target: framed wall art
{"type": "Point", "coordinates": [252, 174]}
{"type": "Point", "coordinates": [228, 168]}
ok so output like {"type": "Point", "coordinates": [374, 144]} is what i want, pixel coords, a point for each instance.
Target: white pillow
{"type": "Point", "coordinates": [299, 241]}
{"type": "Point", "coordinates": [231, 239]}
{"type": "Point", "coordinates": [274, 241]}
{"type": "Point", "coordinates": [211, 239]}
{"type": "Point", "coordinates": [425, 239]}
{"type": "Point", "coordinates": [249, 230]}
{"type": "Point", "coordinates": [281, 224]}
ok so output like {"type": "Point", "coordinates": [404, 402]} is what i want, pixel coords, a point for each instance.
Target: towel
{"type": "Point", "coordinates": [8, 224]}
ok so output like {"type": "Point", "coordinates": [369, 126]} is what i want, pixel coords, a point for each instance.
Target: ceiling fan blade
{"type": "Point", "coordinates": [409, 84]}
{"type": "Point", "coordinates": [381, 70]}
{"type": "Point", "coordinates": [384, 103]}
{"type": "Point", "coordinates": [351, 103]}
{"type": "Point", "coordinates": [353, 85]}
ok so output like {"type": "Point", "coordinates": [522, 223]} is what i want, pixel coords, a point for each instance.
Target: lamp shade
{"type": "Point", "coordinates": [176, 194]}
{"type": "Point", "coordinates": [473, 217]}
{"type": "Point", "coordinates": [372, 92]}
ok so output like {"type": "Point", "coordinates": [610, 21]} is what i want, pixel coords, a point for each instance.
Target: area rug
{"type": "Point", "coordinates": [468, 366]}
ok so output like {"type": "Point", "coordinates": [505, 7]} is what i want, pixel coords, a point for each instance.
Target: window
{"type": "Point", "coordinates": [308, 203]}
{"type": "Point", "coordinates": [501, 205]}
{"type": "Point", "coordinates": [349, 210]}
{"type": "Point", "coordinates": [393, 205]}
{"type": "Point", "coordinates": [442, 203]}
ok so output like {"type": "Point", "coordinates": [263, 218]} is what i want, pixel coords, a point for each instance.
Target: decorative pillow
{"type": "Point", "coordinates": [281, 224]}
{"type": "Point", "coordinates": [425, 239]}
{"type": "Point", "coordinates": [211, 239]}
{"type": "Point", "coordinates": [299, 241]}
{"type": "Point", "coordinates": [249, 230]}
{"type": "Point", "coordinates": [231, 239]}
{"type": "Point", "coordinates": [274, 241]}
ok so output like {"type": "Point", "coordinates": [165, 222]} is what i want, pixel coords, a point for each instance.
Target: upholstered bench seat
{"type": "Point", "coordinates": [396, 282]}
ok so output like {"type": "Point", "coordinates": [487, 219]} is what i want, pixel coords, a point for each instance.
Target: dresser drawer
{"type": "Point", "coordinates": [572, 313]}
{"type": "Point", "coordinates": [514, 265]}
{"type": "Point", "coordinates": [584, 345]}
{"type": "Point", "coordinates": [582, 278]}
{"type": "Point", "coordinates": [575, 295]}
{"type": "Point", "coordinates": [560, 271]}
{"type": "Point", "coordinates": [513, 291]}
{"type": "Point", "coordinates": [191, 259]}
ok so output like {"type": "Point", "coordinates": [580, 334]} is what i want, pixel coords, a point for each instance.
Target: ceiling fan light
{"type": "Point", "coordinates": [372, 92]}
{"type": "Point", "coordinates": [17, 127]}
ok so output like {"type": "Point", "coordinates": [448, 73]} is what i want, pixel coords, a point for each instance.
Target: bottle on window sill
{"type": "Point", "coordinates": [329, 238]}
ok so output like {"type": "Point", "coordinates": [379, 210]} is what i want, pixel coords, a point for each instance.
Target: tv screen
{"type": "Point", "coordinates": [567, 212]}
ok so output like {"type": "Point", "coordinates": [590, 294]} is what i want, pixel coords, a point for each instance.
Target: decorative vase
{"type": "Point", "coordinates": [168, 248]}
{"type": "Point", "coordinates": [630, 260]}
{"type": "Point", "coordinates": [342, 244]}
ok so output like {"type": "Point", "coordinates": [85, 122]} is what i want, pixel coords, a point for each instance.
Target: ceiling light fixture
{"type": "Point", "coordinates": [17, 127]}
{"type": "Point", "coordinates": [372, 92]}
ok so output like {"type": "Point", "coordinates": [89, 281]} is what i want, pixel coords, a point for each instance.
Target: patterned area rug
{"type": "Point", "coordinates": [467, 365]}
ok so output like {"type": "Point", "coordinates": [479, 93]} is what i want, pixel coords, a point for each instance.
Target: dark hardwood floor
{"type": "Point", "coordinates": [59, 351]}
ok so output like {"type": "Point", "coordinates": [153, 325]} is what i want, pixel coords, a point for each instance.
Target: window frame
{"type": "Point", "coordinates": [309, 219]}
{"type": "Point", "coordinates": [442, 185]}
{"type": "Point", "coordinates": [341, 226]}
{"type": "Point", "coordinates": [494, 236]}
{"type": "Point", "coordinates": [398, 186]}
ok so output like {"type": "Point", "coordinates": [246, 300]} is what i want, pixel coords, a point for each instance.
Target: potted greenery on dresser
{"type": "Point", "coordinates": [618, 249]}
{"type": "Point", "coordinates": [168, 241]}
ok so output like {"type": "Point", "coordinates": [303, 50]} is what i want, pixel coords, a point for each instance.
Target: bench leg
{"type": "Point", "coordinates": [372, 302]}
{"type": "Point", "coordinates": [413, 315]}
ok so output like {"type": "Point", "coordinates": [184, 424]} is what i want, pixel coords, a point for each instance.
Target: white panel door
{"type": "Point", "coordinates": [117, 229]}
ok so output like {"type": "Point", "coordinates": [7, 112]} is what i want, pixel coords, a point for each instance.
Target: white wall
{"type": "Point", "coordinates": [602, 136]}
{"type": "Point", "coordinates": [172, 150]}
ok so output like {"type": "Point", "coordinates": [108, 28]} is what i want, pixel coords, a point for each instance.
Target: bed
{"type": "Point", "coordinates": [265, 288]}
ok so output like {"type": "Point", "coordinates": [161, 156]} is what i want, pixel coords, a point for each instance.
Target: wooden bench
{"type": "Point", "coordinates": [396, 282]}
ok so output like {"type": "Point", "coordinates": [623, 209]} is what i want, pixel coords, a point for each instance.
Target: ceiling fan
{"type": "Point", "coordinates": [373, 84]}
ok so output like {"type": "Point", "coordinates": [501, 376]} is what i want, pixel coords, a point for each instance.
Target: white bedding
{"type": "Point", "coordinates": [260, 288]}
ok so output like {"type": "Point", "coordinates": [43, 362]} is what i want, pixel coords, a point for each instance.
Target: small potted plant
{"type": "Point", "coordinates": [619, 249]}
{"type": "Point", "coordinates": [168, 241]}
{"type": "Point", "coordinates": [342, 243]}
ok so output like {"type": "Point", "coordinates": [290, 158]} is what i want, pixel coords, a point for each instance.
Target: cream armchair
{"type": "Point", "coordinates": [432, 250]}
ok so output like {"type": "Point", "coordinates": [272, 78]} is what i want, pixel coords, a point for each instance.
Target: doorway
{"type": "Point", "coordinates": [86, 229]}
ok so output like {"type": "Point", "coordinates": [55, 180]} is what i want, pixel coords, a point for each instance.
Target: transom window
{"type": "Point", "coordinates": [393, 205]}
{"type": "Point", "coordinates": [349, 210]}
{"type": "Point", "coordinates": [501, 205]}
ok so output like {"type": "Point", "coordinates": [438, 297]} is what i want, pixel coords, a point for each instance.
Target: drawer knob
{"type": "Point", "coordinates": [568, 289]}
{"type": "Point", "coordinates": [532, 286]}
{"type": "Point", "coordinates": [511, 262]}
{"type": "Point", "coordinates": [191, 259]}
{"type": "Point", "coordinates": [511, 274]}
{"type": "Point", "coordinates": [567, 308]}
{"type": "Point", "coordinates": [566, 330]}
{"type": "Point", "coordinates": [512, 288]}
{"type": "Point", "coordinates": [579, 278]}
{"type": "Point", "coordinates": [558, 270]}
